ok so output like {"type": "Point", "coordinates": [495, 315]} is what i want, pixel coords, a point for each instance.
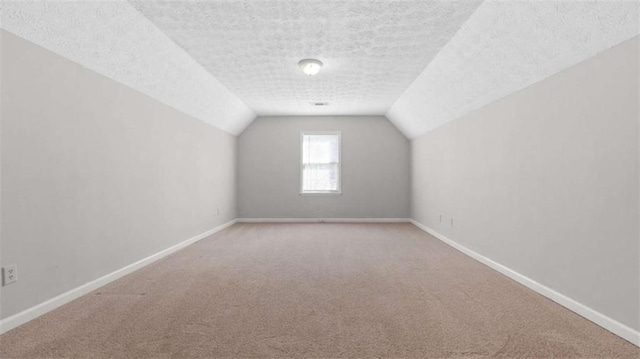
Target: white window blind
{"type": "Point", "coordinates": [320, 162]}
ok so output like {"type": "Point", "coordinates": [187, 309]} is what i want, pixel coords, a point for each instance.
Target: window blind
{"type": "Point", "coordinates": [320, 163]}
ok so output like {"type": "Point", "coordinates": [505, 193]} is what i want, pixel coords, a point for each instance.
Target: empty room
{"type": "Point", "coordinates": [320, 179]}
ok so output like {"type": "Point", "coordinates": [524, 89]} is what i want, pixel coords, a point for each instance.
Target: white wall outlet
{"type": "Point", "coordinates": [440, 218]}
{"type": "Point", "coordinates": [218, 212]}
{"type": "Point", "coordinates": [451, 222]}
{"type": "Point", "coordinates": [9, 274]}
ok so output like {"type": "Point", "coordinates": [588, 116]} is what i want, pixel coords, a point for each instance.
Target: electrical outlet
{"type": "Point", "coordinates": [218, 212]}
{"type": "Point", "coordinates": [440, 218]}
{"type": "Point", "coordinates": [9, 274]}
{"type": "Point", "coordinates": [451, 222]}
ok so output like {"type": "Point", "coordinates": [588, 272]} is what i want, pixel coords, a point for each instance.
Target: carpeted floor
{"type": "Point", "coordinates": [314, 290]}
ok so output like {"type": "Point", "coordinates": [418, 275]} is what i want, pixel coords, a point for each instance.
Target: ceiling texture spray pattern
{"type": "Point", "coordinates": [506, 46]}
{"type": "Point", "coordinates": [371, 50]}
{"type": "Point", "coordinates": [421, 62]}
{"type": "Point", "coordinates": [113, 39]}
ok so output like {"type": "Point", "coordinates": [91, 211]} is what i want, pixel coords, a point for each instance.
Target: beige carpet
{"type": "Point", "coordinates": [314, 290]}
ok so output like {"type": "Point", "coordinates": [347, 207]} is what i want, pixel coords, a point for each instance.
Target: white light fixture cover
{"type": "Point", "coordinates": [310, 66]}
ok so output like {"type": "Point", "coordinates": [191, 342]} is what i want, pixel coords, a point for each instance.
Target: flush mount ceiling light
{"type": "Point", "coordinates": [310, 66]}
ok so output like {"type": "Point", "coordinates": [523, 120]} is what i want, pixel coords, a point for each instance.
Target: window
{"type": "Point", "coordinates": [320, 171]}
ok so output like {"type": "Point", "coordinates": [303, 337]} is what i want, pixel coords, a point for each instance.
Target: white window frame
{"type": "Point", "coordinates": [338, 191]}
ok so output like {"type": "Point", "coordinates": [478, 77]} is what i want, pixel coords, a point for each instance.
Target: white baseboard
{"type": "Point", "coordinates": [53, 303]}
{"type": "Point", "coordinates": [323, 220]}
{"type": "Point", "coordinates": [602, 320]}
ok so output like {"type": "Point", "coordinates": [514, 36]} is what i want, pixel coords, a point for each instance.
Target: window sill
{"type": "Point", "coordinates": [321, 193]}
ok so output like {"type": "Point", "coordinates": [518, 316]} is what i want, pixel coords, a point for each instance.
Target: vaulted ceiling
{"type": "Point", "coordinates": [371, 51]}
{"type": "Point", "coordinates": [422, 63]}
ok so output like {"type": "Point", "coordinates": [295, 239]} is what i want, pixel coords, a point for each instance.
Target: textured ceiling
{"type": "Point", "coordinates": [506, 46]}
{"type": "Point", "coordinates": [371, 50]}
{"type": "Point", "coordinates": [115, 40]}
{"type": "Point", "coordinates": [424, 63]}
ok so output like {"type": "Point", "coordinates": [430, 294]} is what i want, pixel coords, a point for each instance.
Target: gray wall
{"type": "Point", "coordinates": [375, 169]}
{"type": "Point", "coordinates": [96, 176]}
{"type": "Point", "coordinates": [545, 182]}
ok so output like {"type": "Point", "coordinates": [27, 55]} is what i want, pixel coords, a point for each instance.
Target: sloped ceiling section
{"type": "Point", "coordinates": [371, 50]}
{"type": "Point", "coordinates": [115, 40]}
{"type": "Point", "coordinates": [504, 47]}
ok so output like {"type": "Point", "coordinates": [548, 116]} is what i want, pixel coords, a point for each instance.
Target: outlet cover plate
{"type": "Point", "coordinates": [9, 274]}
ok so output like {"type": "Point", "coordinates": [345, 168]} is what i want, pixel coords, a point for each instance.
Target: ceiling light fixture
{"type": "Point", "coordinates": [310, 66]}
